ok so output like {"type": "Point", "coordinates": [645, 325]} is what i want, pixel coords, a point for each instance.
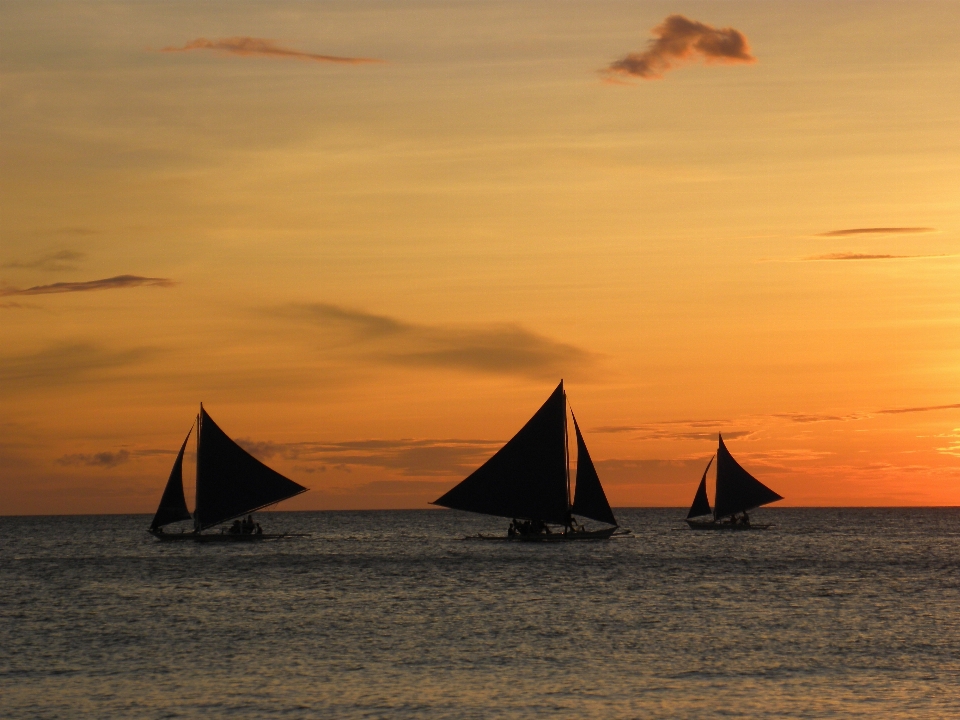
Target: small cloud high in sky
{"type": "Point", "coordinates": [677, 41]}
{"type": "Point", "coordinates": [877, 231]}
{"type": "Point", "coordinates": [867, 256]}
{"type": "Point", "coordinates": [261, 47]}
{"type": "Point", "coordinates": [113, 283]}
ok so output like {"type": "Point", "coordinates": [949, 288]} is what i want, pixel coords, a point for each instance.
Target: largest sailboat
{"type": "Point", "coordinates": [528, 480]}
{"type": "Point", "coordinates": [231, 483]}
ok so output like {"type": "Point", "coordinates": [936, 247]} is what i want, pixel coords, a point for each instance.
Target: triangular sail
{"type": "Point", "coordinates": [230, 481]}
{"type": "Point", "coordinates": [173, 504]}
{"type": "Point", "coordinates": [701, 504]}
{"type": "Point", "coordinates": [590, 500]}
{"type": "Point", "coordinates": [527, 477]}
{"type": "Point", "coordinates": [738, 490]}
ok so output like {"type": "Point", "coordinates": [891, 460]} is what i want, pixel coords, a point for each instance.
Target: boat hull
{"type": "Point", "coordinates": [235, 537]}
{"type": "Point", "coordinates": [728, 527]}
{"type": "Point", "coordinates": [218, 537]}
{"type": "Point", "coordinates": [173, 537]}
{"type": "Point", "coordinates": [604, 534]}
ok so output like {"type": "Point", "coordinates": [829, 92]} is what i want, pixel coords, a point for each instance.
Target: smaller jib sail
{"type": "Point", "coordinates": [527, 478]}
{"type": "Point", "coordinates": [701, 504]}
{"type": "Point", "coordinates": [173, 504]}
{"type": "Point", "coordinates": [230, 481]}
{"type": "Point", "coordinates": [738, 490]}
{"type": "Point", "coordinates": [590, 500]}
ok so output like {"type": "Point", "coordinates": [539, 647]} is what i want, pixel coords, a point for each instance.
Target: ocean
{"type": "Point", "coordinates": [839, 613]}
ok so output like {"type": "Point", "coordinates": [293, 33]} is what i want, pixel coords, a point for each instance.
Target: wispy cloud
{"type": "Point", "coordinates": [877, 231]}
{"type": "Point", "coordinates": [867, 256]}
{"type": "Point", "coordinates": [815, 418]}
{"type": "Point", "coordinates": [261, 47]}
{"type": "Point", "coordinates": [55, 261]}
{"type": "Point", "coordinates": [925, 408]}
{"type": "Point", "coordinates": [677, 41]}
{"type": "Point", "coordinates": [113, 283]}
{"type": "Point", "coordinates": [101, 459]}
{"type": "Point", "coordinates": [497, 348]}
{"type": "Point", "coordinates": [675, 430]}
{"type": "Point", "coordinates": [63, 364]}
{"type": "Point", "coordinates": [413, 457]}
{"type": "Point", "coordinates": [110, 458]}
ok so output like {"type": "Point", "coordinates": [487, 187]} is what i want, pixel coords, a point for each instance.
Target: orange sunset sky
{"type": "Point", "coordinates": [372, 237]}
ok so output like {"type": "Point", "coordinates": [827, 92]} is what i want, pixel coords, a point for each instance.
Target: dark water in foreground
{"type": "Point", "coordinates": [835, 613]}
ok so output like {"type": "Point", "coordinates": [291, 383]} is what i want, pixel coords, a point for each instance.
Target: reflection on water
{"type": "Point", "coordinates": [834, 613]}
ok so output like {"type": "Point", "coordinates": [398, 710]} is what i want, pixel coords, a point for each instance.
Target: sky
{"type": "Point", "coordinates": [371, 237]}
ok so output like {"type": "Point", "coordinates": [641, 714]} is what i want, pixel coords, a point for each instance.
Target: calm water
{"type": "Point", "coordinates": [835, 613]}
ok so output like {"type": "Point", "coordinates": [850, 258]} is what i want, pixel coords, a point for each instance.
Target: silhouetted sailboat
{"type": "Point", "coordinates": [231, 483]}
{"type": "Point", "coordinates": [528, 480]}
{"type": "Point", "coordinates": [737, 492]}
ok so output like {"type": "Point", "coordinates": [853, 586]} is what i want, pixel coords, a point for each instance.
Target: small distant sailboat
{"type": "Point", "coordinates": [231, 483]}
{"type": "Point", "coordinates": [737, 492]}
{"type": "Point", "coordinates": [528, 480]}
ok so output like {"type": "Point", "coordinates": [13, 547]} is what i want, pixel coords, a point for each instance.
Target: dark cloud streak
{"type": "Point", "coordinates": [101, 459]}
{"type": "Point", "coordinates": [496, 348]}
{"type": "Point", "coordinates": [113, 283]}
{"type": "Point", "coordinates": [55, 261]}
{"type": "Point", "coordinates": [926, 408]}
{"type": "Point", "coordinates": [877, 231]}
{"type": "Point", "coordinates": [261, 47]}
{"type": "Point", "coordinates": [866, 256]}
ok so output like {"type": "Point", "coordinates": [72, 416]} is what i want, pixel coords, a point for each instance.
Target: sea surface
{"type": "Point", "coordinates": [840, 613]}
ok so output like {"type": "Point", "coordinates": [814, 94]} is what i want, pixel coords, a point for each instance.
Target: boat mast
{"type": "Point", "coordinates": [717, 480]}
{"type": "Point", "coordinates": [196, 487]}
{"type": "Point", "coordinates": [566, 454]}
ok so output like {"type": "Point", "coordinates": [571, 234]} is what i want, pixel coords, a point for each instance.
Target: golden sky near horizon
{"type": "Point", "coordinates": [372, 236]}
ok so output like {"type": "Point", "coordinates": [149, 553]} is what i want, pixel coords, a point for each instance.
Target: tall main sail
{"type": "Point", "coordinates": [738, 490]}
{"type": "Point", "coordinates": [173, 504]}
{"type": "Point", "coordinates": [701, 503]}
{"type": "Point", "coordinates": [590, 500]}
{"type": "Point", "coordinates": [230, 481]}
{"type": "Point", "coordinates": [527, 477]}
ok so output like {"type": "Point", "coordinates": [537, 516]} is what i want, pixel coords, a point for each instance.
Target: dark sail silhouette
{"type": "Point", "coordinates": [590, 500]}
{"type": "Point", "coordinates": [527, 477]}
{"type": "Point", "coordinates": [230, 481]}
{"type": "Point", "coordinates": [737, 490]}
{"type": "Point", "coordinates": [701, 504]}
{"type": "Point", "coordinates": [528, 480]}
{"type": "Point", "coordinates": [173, 504]}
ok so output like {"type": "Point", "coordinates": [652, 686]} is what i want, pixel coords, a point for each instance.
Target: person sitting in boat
{"type": "Point", "coordinates": [248, 525]}
{"type": "Point", "coordinates": [259, 530]}
{"type": "Point", "coordinates": [236, 528]}
{"type": "Point", "coordinates": [745, 520]}
{"type": "Point", "coordinates": [512, 530]}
